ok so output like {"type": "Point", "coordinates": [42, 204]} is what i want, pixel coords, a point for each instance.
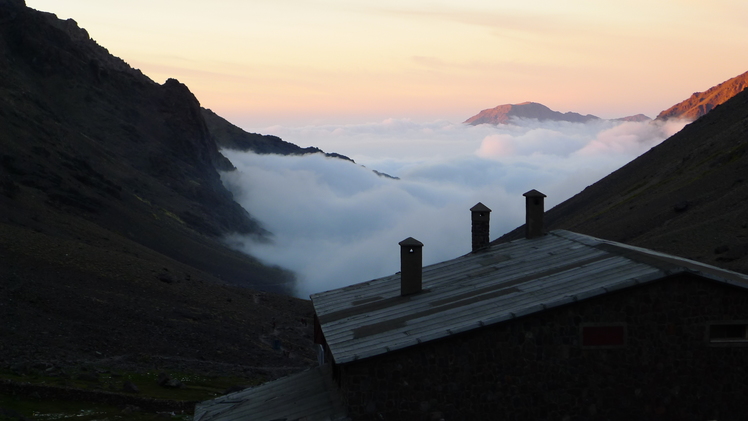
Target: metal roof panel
{"type": "Point", "coordinates": [499, 283]}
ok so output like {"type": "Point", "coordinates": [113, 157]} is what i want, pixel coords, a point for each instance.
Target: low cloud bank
{"type": "Point", "coordinates": [335, 223]}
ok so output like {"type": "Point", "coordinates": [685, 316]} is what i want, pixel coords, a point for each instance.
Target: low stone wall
{"type": "Point", "coordinates": [534, 368]}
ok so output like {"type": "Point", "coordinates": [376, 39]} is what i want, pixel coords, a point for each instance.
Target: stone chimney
{"type": "Point", "coordinates": [480, 216]}
{"type": "Point", "coordinates": [411, 264]}
{"type": "Point", "coordinates": [534, 214]}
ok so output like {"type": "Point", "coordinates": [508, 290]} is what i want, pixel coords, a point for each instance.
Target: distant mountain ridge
{"type": "Point", "coordinates": [533, 110]}
{"type": "Point", "coordinates": [701, 103]}
{"type": "Point", "coordinates": [696, 106]}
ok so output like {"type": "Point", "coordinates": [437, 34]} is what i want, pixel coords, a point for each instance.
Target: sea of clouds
{"type": "Point", "coordinates": [335, 223]}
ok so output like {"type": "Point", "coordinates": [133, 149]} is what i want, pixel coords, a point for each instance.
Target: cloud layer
{"type": "Point", "coordinates": [335, 223]}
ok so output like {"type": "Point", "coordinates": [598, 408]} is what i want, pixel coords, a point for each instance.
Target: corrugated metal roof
{"type": "Point", "coordinates": [309, 395]}
{"type": "Point", "coordinates": [503, 282]}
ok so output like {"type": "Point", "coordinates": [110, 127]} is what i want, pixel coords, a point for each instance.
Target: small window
{"type": "Point", "coordinates": [599, 336]}
{"type": "Point", "coordinates": [728, 332]}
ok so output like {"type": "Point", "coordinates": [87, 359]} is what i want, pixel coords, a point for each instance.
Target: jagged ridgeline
{"type": "Point", "coordinates": [229, 136]}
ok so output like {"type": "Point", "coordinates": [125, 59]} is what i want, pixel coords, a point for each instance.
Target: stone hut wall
{"type": "Point", "coordinates": [535, 368]}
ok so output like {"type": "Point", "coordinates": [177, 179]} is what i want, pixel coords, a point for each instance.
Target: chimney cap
{"type": "Point", "coordinates": [480, 207]}
{"type": "Point", "coordinates": [534, 193]}
{"type": "Point", "coordinates": [411, 242]}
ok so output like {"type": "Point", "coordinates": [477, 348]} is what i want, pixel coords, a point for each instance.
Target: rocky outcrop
{"type": "Point", "coordinates": [701, 103]}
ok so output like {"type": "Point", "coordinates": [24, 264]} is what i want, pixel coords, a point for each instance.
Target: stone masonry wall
{"type": "Point", "coordinates": [534, 368]}
{"type": "Point", "coordinates": [480, 231]}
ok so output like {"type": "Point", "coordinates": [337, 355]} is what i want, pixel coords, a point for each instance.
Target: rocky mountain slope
{"type": "Point", "coordinates": [88, 137]}
{"type": "Point", "coordinates": [687, 196]}
{"type": "Point", "coordinates": [701, 103]}
{"type": "Point", "coordinates": [111, 215]}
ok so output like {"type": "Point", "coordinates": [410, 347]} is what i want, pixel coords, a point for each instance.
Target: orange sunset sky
{"type": "Point", "coordinates": [298, 62]}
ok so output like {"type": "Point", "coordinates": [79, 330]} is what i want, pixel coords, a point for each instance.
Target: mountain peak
{"type": "Point", "coordinates": [634, 118]}
{"type": "Point", "coordinates": [504, 113]}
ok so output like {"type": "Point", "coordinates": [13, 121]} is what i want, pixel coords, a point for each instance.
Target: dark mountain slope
{"type": "Point", "coordinates": [687, 196]}
{"type": "Point", "coordinates": [111, 212]}
{"type": "Point", "coordinates": [701, 103]}
{"type": "Point", "coordinates": [90, 137]}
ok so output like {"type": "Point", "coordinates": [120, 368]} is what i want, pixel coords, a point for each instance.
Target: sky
{"type": "Point", "coordinates": [389, 83]}
{"type": "Point", "coordinates": [309, 62]}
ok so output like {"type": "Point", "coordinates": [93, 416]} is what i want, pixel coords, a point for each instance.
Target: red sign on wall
{"type": "Point", "coordinates": [603, 335]}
